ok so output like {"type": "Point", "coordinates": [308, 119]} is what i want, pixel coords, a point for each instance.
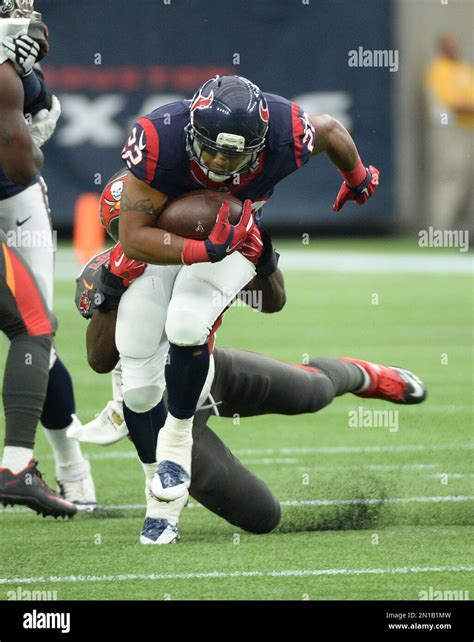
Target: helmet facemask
{"type": "Point", "coordinates": [231, 145]}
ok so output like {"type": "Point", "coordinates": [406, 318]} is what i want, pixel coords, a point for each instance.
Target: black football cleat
{"type": "Point", "coordinates": [27, 488]}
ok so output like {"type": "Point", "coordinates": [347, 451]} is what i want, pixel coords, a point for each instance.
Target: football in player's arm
{"type": "Point", "coordinates": [100, 302]}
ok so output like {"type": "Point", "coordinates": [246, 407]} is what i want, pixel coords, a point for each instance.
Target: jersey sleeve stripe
{"type": "Point", "coordinates": [298, 132]}
{"type": "Point", "coordinates": [152, 148]}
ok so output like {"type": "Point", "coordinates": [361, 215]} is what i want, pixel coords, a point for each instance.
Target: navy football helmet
{"type": "Point", "coordinates": [228, 115]}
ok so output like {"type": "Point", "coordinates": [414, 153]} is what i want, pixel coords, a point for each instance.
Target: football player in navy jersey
{"type": "Point", "coordinates": [24, 212]}
{"type": "Point", "coordinates": [232, 138]}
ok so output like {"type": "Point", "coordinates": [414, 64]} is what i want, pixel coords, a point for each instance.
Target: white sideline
{"type": "Point", "coordinates": [333, 261]}
{"type": "Point", "coordinates": [72, 579]}
{"type": "Point", "coordinates": [300, 502]}
{"type": "Point", "coordinates": [372, 262]}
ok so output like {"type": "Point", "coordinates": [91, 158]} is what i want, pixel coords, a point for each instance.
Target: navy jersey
{"type": "Point", "coordinates": [156, 152]}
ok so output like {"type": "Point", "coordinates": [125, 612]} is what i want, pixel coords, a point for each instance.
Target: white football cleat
{"type": "Point", "coordinates": [107, 428]}
{"type": "Point", "coordinates": [170, 482]}
{"type": "Point", "coordinates": [159, 531]}
{"type": "Point", "coordinates": [77, 486]}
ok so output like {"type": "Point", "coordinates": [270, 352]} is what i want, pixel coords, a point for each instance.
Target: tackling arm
{"type": "Point", "coordinates": [102, 354]}
{"type": "Point", "coordinates": [272, 288]}
{"type": "Point", "coordinates": [20, 158]}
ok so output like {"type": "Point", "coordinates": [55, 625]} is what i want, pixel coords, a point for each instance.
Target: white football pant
{"type": "Point", "coordinates": [174, 303]}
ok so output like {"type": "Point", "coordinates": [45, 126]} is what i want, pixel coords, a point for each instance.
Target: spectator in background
{"type": "Point", "coordinates": [449, 83]}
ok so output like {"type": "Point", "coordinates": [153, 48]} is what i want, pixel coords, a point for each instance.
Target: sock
{"type": "Point", "coordinates": [24, 387]}
{"type": "Point", "coordinates": [16, 458]}
{"type": "Point", "coordinates": [185, 373]}
{"type": "Point", "coordinates": [117, 393]}
{"type": "Point", "coordinates": [155, 508]}
{"type": "Point", "coordinates": [67, 452]}
{"type": "Point", "coordinates": [59, 404]}
{"type": "Point", "coordinates": [175, 441]}
{"type": "Point", "coordinates": [143, 428]}
{"type": "Point", "coordinates": [346, 377]}
{"type": "Point", "coordinates": [366, 379]}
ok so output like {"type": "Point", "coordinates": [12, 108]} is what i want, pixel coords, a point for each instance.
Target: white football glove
{"type": "Point", "coordinates": [44, 122]}
{"type": "Point", "coordinates": [22, 51]}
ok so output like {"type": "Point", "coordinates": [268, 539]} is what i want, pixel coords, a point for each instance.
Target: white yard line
{"type": "Point", "coordinates": [452, 475]}
{"type": "Point", "coordinates": [335, 450]}
{"type": "Point", "coordinates": [74, 579]}
{"type": "Point", "coordinates": [130, 454]}
{"type": "Point", "coordinates": [375, 501]}
{"type": "Point", "coordinates": [372, 467]}
{"type": "Point", "coordinates": [436, 499]}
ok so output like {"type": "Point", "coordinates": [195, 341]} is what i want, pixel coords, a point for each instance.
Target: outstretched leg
{"type": "Point", "coordinates": [249, 384]}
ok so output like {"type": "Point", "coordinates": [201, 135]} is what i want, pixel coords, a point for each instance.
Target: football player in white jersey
{"type": "Point", "coordinates": [25, 216]}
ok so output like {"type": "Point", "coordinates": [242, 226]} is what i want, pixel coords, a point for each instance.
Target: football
{"type": "Point", "coordinates": [193, 215]}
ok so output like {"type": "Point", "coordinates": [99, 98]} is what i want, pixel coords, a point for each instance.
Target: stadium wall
{"type": "Point", "coordinates": [110, 66]}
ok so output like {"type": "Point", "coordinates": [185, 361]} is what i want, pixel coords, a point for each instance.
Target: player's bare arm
{"type": "Point", "coordinates": [141, 239]}
{"type": "Point", "coordinates": [20, 158]}
{"type": "Point", "coordinates": [333, 139]}
{"type": "Point", "coordinates": [272, 288]}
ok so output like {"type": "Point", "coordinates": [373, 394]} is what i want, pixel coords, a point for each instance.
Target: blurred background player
{"type": "Point", "coordinates": [449, 83]}
{"type": "Point", "coordinates": [24, 211]}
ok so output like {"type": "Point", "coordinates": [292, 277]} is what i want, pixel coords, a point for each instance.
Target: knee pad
{"type": "Point", "coordinates": [186, 328]}
{"type": "Point", "coordinates": [143, 399]}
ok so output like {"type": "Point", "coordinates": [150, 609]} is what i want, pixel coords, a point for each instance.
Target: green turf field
{"type": "Point", "coordinates": [413, 526]}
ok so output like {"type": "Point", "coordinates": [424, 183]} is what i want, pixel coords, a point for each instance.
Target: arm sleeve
{"type": "Point", "coordinates": [37, 96]}
{"type": "Point", "coordinates": [141, 151]}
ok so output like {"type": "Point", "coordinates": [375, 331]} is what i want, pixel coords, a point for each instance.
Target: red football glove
{"type": "Point", "coordinates": [252, 249]}
{"type": "Point", "coordinates": [223, 240]}
{"type": "Point", "coordinates": [360, 193]}
{"type": "Point", "coordinates": [126, 269]}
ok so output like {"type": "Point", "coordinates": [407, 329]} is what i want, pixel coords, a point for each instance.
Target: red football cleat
{"type": "Point", "coordinates": [390, 383]}
{"type": "Point", "coordinates": [27, 488]}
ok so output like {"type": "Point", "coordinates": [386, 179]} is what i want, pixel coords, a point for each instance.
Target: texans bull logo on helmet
{"type": "Point", "coordinates": [202, 102]}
